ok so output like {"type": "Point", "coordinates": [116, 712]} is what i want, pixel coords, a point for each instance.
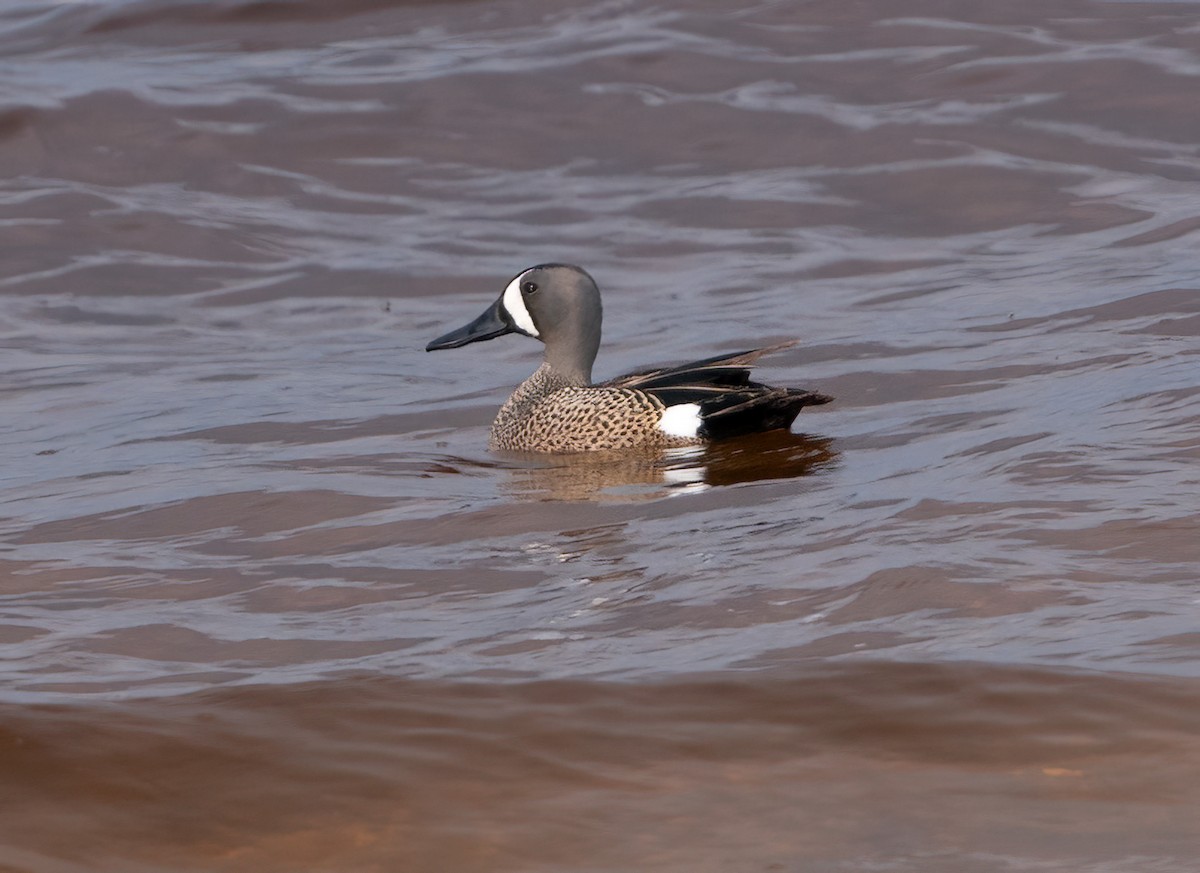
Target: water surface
{"type": "Point", "coordinates": [269, 604]}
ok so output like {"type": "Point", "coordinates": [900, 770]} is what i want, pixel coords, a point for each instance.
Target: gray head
{"type": "Point", "coordinates": [556, 303]}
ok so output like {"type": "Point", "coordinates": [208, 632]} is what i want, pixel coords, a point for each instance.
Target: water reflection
{"type": "Point", "coordinates": [652, 474]}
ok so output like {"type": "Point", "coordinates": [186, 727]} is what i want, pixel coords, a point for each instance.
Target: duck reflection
{"type": "Point", "coordinates": [652, 474]}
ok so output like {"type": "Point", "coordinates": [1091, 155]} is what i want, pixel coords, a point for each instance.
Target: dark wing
{"type": "Point", "coordinates": [730, 403]}
{"type": "Point", "coordinates": [721, 371]}
{"type": "Point", "coordinates": [754, 410]}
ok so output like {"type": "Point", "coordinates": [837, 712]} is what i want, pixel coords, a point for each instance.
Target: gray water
{"type": "Point", "coordinates": [226, 462]}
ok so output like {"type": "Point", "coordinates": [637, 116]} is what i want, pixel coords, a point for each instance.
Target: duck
{"type": "Point", "coordinates": [560, 410]}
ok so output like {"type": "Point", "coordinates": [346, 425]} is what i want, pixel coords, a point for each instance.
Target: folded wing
{"type": "Point", "coordinates": [731, 404]}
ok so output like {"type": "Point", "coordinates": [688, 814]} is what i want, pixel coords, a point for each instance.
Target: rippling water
{"type": "Point", "coordinates": [267, 603]}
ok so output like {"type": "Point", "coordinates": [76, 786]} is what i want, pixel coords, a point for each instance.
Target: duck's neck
{"type": "Point", "coordinates": [561, 376]}
{"type": "Point", "coordinates": [570, 363]}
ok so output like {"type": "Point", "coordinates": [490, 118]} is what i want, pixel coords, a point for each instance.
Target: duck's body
{"type": "Point", "coordinates": [558, 409]}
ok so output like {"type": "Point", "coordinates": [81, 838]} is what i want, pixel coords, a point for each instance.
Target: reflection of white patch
{"type": "Point", "coordinates": [681, 421]}
{"type": "Point", "coordinates": [682, 454]}
{"type": "Point", "coordinates": [515, 307]}
{"type": "Point", "coordinates": [686, 476]}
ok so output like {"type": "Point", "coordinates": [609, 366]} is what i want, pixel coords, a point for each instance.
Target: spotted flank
{"type": "Point", "coordinates": [559, 409]}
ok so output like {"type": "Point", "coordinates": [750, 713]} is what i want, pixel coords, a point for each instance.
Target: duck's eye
{"type": "Point", "coordinates": [529, 288]}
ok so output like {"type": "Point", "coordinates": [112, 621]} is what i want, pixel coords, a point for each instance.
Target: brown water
{"type": "Point", "coordinates": [267, 603]}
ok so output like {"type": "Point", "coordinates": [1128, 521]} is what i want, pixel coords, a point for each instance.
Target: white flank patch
{"type": "Point", "coordinates": [681, 421]}
{"type": "Point", "coordinates": [515, 306]}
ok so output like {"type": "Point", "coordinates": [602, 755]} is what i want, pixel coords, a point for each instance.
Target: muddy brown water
{"type": "Point", "coordinates": [267, 603]}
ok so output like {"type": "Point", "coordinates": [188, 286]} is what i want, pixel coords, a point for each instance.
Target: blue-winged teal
{"type": "Point", "coordinates": [558, 409]}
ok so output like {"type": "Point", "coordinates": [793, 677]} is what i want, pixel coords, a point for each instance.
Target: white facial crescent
{"type": "Point", "coordinates": [515, 307]}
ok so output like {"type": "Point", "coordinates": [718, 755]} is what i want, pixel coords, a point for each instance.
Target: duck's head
{"type": "Point", "coordinates": [556, 303]}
